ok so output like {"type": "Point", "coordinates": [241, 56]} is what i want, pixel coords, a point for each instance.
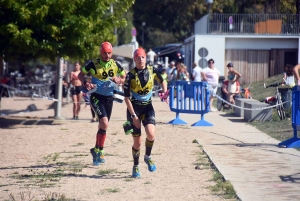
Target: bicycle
{"type": "Point", "coordinates": [276, 100]}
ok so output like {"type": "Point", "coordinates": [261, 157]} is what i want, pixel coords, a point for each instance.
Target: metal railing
{"type": "Point", "coordinates": [263, 24]}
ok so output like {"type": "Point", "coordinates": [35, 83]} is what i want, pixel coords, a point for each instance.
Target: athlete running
{"type": "Point", "coordinates": [104, 72]}
{"type": "Point", "coordinates": [139, 82]}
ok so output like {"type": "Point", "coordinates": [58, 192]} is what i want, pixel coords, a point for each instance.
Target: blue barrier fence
{"type": "Point", "coordinates": [294, 142]}
{"type": "Point", "coordinates": [191, 98]}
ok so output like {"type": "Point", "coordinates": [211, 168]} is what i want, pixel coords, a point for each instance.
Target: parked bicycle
{"type": "Point", "coordinates": [276, 100]}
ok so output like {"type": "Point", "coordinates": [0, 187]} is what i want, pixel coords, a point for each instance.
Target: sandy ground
{"type": "Point", "coordinates": [45, 159]}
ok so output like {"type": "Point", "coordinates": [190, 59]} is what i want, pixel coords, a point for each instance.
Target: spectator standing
{"type": "Point", "coordinates": [76, 90]}
{"type": "Point", "coordinates": [211, 75]}
{"type": "Point", "coordinates": [233, 76]}
{"type": "Point", "coordinates": [288, 76]}
{"type": "Point", "coordinates": [231, 95]}
{"type": "Point", "coordinates": [296, 73]}
{"type": "Point", "coordinates": [196, 76]}
{"type": "Point", "coordinates": [182, 73]}
{"type": "Point", "coordinates": [170, 70]}
{"type": "Point", "coordinates": [164, 75]}
{"type": "Point", "coordinates": [151, 55]}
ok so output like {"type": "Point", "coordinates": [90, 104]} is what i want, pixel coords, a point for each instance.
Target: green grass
{"type": "Point", "coordinates": [106, 171]}
{"type": "Point", "coordinates": [78, 144]}
{"type": "Point", "coordinates": [112, 190]}
{"type": "Point", "coordinates": [47, 178]}
{"type": "Point", "coordinates": [195, 141]}
{"type": "Point", "coordinates": [280, 130]}
{"type": "Point", "coordinates": [221, 187]}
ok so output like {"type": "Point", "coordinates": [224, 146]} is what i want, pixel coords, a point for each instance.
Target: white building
{"type": "Point", "coordinates": [259, 46]}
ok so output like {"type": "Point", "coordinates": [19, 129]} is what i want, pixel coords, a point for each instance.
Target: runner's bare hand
{"type": "Point", "coordinates": [117, 80]}
{"type": "Point", "coordinates": [136, 122]}
{"type": "Point", "coordinates": [89, 85]}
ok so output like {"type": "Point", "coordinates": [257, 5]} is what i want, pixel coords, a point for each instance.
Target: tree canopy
{"type": "Point", "coordinates": [177, 17]}
{"type": "Point", "coordinates": [67, 28]}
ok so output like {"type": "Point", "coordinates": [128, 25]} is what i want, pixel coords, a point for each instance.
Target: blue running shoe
{"type": "Point", "coordinates": [136, 172]}
{"type": "Point", "coordinates": [150, 163]}
{"type": "Point", "coordinates": [96, 157]}
{"type": "Point", "coordinates": [101, 158]}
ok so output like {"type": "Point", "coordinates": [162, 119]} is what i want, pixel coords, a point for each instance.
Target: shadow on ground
{"type": "Point", "coordinates": [9, 122]}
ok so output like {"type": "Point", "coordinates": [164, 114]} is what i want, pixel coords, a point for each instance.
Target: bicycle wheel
{"type": "Point", "coordinates": [280, 110]}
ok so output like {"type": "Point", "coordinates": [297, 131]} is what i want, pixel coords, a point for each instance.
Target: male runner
{"type": "Point", "coordinates": [104, 72]}
{"type": "Point", "coordinates": [139, 82]}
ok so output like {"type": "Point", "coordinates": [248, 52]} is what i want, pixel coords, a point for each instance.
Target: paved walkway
{"type": "Point", "coordinates": [248, 158]}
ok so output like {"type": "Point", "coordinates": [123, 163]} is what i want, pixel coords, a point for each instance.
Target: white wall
{"type": "Point", "coordinates": [261, 43]}
{"type": "Point", "coordinates": [215, 46]}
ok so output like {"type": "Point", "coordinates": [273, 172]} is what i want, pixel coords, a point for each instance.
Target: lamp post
{"type": "Point", "coordinates": [143, 25]}
{"type": "Point", "coordinates": [209, 2]}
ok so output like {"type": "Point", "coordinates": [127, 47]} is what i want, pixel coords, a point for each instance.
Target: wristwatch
{"type": "Point", "coordinates": [133, 115]}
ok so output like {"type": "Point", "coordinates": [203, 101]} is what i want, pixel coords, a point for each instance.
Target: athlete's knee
{"type": "Point", "coordinates": [101, 131]}
{"type": "Point", "coordinates": [103, 123]}
{"type": "Point", "coordinates": [137, 143]}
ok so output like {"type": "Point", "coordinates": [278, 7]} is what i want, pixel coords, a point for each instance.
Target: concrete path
{"type": "Point", "coordinates": [249, 159]}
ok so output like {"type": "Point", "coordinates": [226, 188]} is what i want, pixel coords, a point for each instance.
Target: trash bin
{"type": "Point", "coordinates": [286, 95]}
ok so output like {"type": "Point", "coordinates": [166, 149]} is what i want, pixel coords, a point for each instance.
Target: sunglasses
{"type": "Point", "coordinates": [210, 62]}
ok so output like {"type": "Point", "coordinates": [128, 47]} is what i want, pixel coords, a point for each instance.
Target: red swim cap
{"type": "Point", "coordinates": [139, 52]}
{"type": "Point", "coordinates": [106, 47]}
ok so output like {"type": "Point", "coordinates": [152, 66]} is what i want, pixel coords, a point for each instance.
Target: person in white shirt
{"type": "Point", "coordinates": [211, 75]}
{"type": "Point", "coordinates": [288, 76]}
{"type": "Point", "coordinates": [196, 73]}
{"type": "Point", "coordinates": [151, 55]}
{"type": "Point", "coordinates": [170, 70]}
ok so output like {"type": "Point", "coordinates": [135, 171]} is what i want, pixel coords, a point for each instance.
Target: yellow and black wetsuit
{"type": "Point", "coordinates": [139, 84]}
{"type": "Point", "coordinates": [102, 96]}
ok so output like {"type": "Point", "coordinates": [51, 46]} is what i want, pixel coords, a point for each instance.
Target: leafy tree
{"type": "Point", "coordinates": [175, 17]}
{"type": "Point", "coordinates": [50, 28]}
{"type": "Point", "coordinates": [124, 33]}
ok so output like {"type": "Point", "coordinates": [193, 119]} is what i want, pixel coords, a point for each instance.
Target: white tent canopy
{"type": "Point", "coordinates": [125, 50]}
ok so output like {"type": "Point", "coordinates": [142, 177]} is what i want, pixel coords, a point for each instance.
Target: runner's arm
{"type": "Point", "coordinates": [160, 79]}
{"type": "Point", "coordinates": [127, 90]}
{"type": "Point", "coordinates": [88, 68]}
{"type": "Point", "coordinates": [120, 80]}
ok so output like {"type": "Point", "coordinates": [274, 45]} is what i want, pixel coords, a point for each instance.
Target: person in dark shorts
{"type": "Point", "coordinates": [139, 83]}
{"type": "Point", "coordinates": [76, 90]}
{"type": "Point", "coordinates": [104, 73]}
